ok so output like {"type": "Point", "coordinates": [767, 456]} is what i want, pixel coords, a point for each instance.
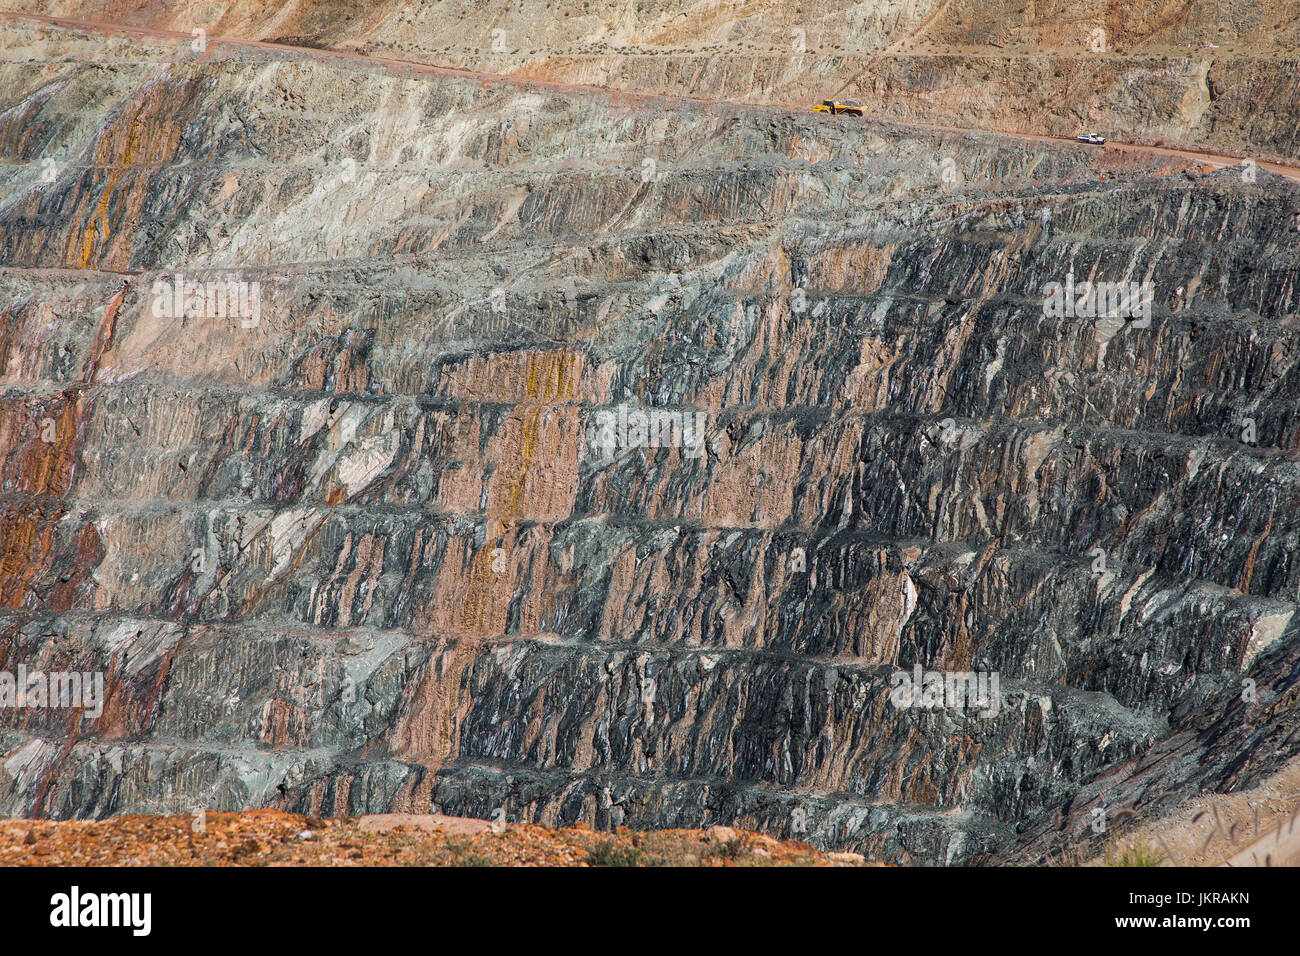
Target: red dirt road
{"type": "Point", "coordinates": [1214, 160]}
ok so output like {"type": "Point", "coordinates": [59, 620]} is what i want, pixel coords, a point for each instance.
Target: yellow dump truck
{"type": "Point", "coordinates": [831, 106]}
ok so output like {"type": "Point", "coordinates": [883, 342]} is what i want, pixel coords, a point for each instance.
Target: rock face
{"type": "Point", "coordinates": [396, 504]}
{"type": "Point", "coordinates": [1212, 74]}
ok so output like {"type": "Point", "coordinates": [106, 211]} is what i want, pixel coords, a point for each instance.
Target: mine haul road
{"type": "Point", "coordinates": [1208, 159]}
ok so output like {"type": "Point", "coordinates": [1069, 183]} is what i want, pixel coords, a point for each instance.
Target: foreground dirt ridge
{"type": "Point", "coordinates": [363, 552]}
{"type": "Point", "coordinates": [269, 838]}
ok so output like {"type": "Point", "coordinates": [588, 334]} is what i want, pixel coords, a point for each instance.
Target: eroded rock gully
{"type": "Point", "coordinates": [361, 555]}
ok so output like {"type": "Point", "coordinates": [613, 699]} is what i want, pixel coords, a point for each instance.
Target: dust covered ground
{"type": "Point", "coordinates": [273, 838]}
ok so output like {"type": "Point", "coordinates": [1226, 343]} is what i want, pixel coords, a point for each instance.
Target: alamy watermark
{"type": "Point", "coordinates": [77, 909]}
{"type": "Point", "coordinates": [948, 689]}
{"type": "Point", "coordinates": [224, 297]}
{"type": "Point", "coordinates": [62, 689]}
{"type": "Point", "coordinates": [650, 428]}
{"type": "Point", "coordinates": [1099, 300]}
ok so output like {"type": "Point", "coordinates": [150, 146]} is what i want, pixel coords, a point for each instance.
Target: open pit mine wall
{"type": "Point", "coordinates": [365, 550]}
{"type": "Point", "coordinates": [1216, 75]}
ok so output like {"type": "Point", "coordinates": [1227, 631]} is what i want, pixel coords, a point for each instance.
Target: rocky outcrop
{"type": "Point", "coordinates": [377, 534]}
{"type": "Point", "coordinates": [1216, 75]}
